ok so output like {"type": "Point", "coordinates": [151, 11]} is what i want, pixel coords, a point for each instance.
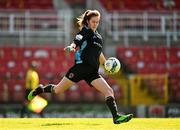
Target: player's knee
{"type": "Point", "coordinates": [56, 90]}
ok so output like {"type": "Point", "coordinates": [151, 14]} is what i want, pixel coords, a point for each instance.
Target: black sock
{"type": "Point", "coordinates": [112, 106]}
{"type": "Point", "coordinates": [44, 89]}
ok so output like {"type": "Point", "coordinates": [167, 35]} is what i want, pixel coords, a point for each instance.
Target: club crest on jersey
{"type": "Point", "coordinates": [71, 75]}
{"type": "Point", "coordinates": [79, 37]}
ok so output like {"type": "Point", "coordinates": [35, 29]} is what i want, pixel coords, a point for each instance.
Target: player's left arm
{"type": "Point", "coordinates": [102, 59]}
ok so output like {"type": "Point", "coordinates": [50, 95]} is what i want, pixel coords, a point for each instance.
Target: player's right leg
{"type": "Point", "coordinates": [64, 84]}
{"type": "Point", "coordinates": [101, 85]}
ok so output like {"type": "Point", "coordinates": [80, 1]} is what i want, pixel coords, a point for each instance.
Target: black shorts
{"type": "Point", "coordinates": [82, 72]}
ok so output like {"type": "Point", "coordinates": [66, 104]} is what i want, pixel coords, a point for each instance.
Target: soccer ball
{"type": "Point", "coordinates": [112, 65]}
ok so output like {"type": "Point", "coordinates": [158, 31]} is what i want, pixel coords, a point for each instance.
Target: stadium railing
{"type": "Point", "coordinates": [143, 24]}
{"type": "Point", "coordinates": [26, 26]}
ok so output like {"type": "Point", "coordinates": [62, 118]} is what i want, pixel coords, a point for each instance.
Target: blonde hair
{"type": "Point", "coordinates": [86, 16]}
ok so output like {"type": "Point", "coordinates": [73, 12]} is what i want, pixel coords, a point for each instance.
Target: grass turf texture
{"type": "Point", "coordinates": [88, 124]}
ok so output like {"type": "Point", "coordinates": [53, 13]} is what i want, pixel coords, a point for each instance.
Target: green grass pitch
{"type": "Point", "coordinates": [88, 124]}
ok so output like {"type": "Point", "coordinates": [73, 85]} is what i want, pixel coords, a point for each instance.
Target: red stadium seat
{"type": "Point", "coordinates": [87, 93]}
{"type": "Point", "coordinates": [26, 4]}
{"type": "Point", "coordinates": [74, 94]}
{"type": "Point", "coordinates": [150, 59]}
{"type": "Point", "coordinates": [16, 89]}
{"type": "Point", "coordinates": [116, 5]}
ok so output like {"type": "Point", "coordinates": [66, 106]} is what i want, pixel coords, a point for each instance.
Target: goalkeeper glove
{"type": "Point", "coordinates": [70, 48]}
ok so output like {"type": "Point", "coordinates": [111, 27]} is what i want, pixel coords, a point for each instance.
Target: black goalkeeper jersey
{"type": "Point", "coordinates": [90, 47]}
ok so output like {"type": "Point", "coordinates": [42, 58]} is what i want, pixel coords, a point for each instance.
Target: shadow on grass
{"type": "Point", "coordinates": [92, 124]}
{"type": "Point", "coordinates": [56, 124]}
{"type": "Point", "coordinates": [61, 124]}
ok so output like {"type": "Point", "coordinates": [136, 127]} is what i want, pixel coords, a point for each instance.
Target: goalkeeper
{"type": "Point", "coordinates": [87, 60]}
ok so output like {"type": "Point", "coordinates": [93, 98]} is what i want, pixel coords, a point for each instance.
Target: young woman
{"type": "Point", "coordinates": [87, 61]}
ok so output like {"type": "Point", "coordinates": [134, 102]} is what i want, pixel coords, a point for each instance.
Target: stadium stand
{"type": "Point", "coordinates": [141, 5]}
{"type": "Point", "coordinates": [26, 4]}
{"type": "Point", "coordinates": [74, 2]}
{"type": "Point", "coordinates": [154, 60]}
{"type": "Point", "coordinates": [151, 59]}
{"type": "Point", "coordinates": [53, 63]}
{"type": "Point", "coordinates": [14, 61]}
